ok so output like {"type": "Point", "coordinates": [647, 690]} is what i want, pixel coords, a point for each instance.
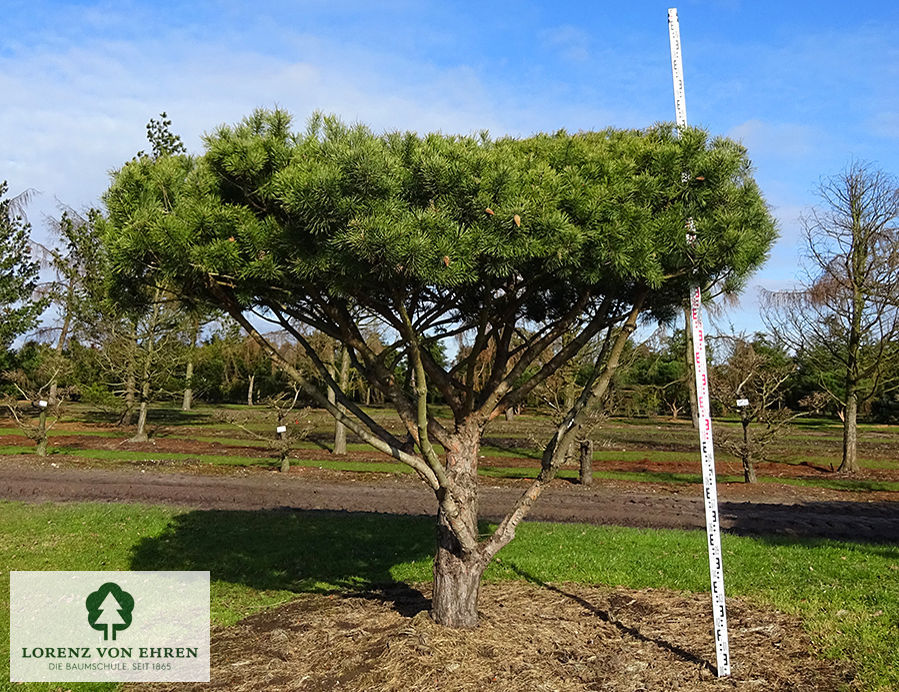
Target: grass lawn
{"type": "Point", "coordinates": [847, 593]}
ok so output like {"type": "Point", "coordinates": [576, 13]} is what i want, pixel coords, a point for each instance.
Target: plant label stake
{"type": "Point", "coordinates": [716, 568]}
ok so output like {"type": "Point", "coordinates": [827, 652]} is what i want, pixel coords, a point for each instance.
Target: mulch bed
{"type": "Point", "coordinates": [531, 637]}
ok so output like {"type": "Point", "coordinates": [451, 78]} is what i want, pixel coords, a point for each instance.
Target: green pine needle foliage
{"type": "Point", "coordinates": [279, 215]}
{"type": "Point", "coordinates": [19, 308]}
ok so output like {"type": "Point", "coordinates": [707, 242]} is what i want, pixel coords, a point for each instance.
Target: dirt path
{"type": "Point", "coordinates": [795, 512]}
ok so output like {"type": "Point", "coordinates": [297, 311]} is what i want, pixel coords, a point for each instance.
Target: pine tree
{"type": "Point", "coordinates": [511, 243]}
{"type": "Point", "coordinates": [19, 309]}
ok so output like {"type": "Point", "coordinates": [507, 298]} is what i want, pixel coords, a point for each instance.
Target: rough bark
{"type": "Point", "coordinates": [585, 457]}
{"type": "Point", "coordinates": [748, 467]}
{"type": "Point", "coordinates": [457, 574]}
{"type": "Point", "coordinates": [284, 452]}
{"type": "Point", "coordinates": [849, 463]}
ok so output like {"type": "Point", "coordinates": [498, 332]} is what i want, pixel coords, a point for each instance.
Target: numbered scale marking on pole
{"type": "Point", "coordinates": [716, 569]}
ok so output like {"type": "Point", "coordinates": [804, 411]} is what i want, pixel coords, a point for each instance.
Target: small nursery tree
{"type": "Point", "coordinates": [282, 441]}
{"type": "Point", "coordinates": [434, 236]}
{"type": "Point", "coordinates": [30, 399]}
{"type": "Point", "coordinates": [750, 383]}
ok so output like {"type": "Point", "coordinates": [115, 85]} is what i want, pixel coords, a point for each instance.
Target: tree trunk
{"type": "Point", "coordinates": [859, 257]}
{"type": "Point", "coordinates": [188, 397]}
{"type": "Point", "coordinates": [284, 451]}
{"type": "Point", "coordinates": [691, 366]}
{"type": "Point", "coordinates": [510, 413]}
{"type": "Point", "coordinates": [130, 377]}
{"type": "Point", "coordinates": [60, 346]}
{"type": "Point", "coordinates": [42, 434]}
{"type": "Point", "coordinates": [130, 392]}
{"type": "Point", "coordinates": [585, 453]}
{"type": "Point", "coordinates": [141, 434]}
{"type": "Point", "coordinates": [252, 379]}
{"type": "Point", "coordinates": [849, 463]}
{"type": "Point", "coordinates": [746, 456]}
{"type": "Point", "coordinates": [748, 469]}
{"type": "Point", "coordinates": [147, 374]}
{"type": "Point", "coordinates": [457, 576]}
{"type": "Point", "coordinates": [675, 410]}
{"type": "Point", "coordinates": [343, 381]}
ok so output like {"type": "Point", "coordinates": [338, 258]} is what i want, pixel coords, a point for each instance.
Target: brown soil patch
{"type": "Point", "coordinates": [743, 509]}
{"type": "Point", "coordinates": [567, 637]}
{"type": "Point", "coordinates": [773, 469]}
{"type": "Point", "coordinates": [184, 445]}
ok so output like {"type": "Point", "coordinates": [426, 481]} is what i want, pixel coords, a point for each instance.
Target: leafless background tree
{"type": "Point", "coordinates": [845, 315]}
{"type": "Point", "coordinates": [749, 383]}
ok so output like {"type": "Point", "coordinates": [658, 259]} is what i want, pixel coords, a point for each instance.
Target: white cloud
{"type": "Point", "coordinates": [79, 112]}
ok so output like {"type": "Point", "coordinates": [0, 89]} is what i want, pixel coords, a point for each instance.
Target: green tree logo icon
{"type": "Point", "coordinates": [109, 609]}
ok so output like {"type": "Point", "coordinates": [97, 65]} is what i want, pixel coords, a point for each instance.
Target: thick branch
{"type": "Point", "coordinates": [566, 433]}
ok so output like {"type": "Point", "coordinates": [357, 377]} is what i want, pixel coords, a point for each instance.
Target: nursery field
{"type": "Point", "coordinates": [614, 597]}
{"type": "Point", "coordinates": [631, 450]}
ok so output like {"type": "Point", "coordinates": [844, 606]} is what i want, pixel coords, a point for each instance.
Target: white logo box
{"type": "Point", "coordinates": [52, 638]}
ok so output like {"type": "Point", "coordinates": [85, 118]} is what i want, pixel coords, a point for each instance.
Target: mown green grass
{"type": "Point", "coordinates": [57, 432]}
{"type": "Point", "coordinates": [846, 593]}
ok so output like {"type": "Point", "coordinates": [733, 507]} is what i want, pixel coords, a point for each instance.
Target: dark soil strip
{"type": "Point", "coordinates": [865, 521]}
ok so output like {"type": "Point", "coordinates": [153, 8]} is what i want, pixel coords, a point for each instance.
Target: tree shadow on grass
{"type": "Point", "coordinates": [324, 440]}
{"type": "Point", "coordinates": [862, 522]}
{"type": "Point", "coordinates": [299, 551]}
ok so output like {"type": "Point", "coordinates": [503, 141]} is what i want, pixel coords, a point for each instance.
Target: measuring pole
{"type": "Point", "coordinates": [716, 568]}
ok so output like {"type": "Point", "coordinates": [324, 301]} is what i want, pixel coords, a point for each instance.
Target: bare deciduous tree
{"type": "Point", "coordinates": [31, 398]}
{"type": "Point", "coordinates": [284, 406]}
{"type": "Point", "coordinates": [846, 313]}
{"type": "Point", "coordinates": [750, 383]}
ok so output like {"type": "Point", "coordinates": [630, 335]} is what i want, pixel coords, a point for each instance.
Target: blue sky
{"type": "Point", "coordinates": [807, 86]}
